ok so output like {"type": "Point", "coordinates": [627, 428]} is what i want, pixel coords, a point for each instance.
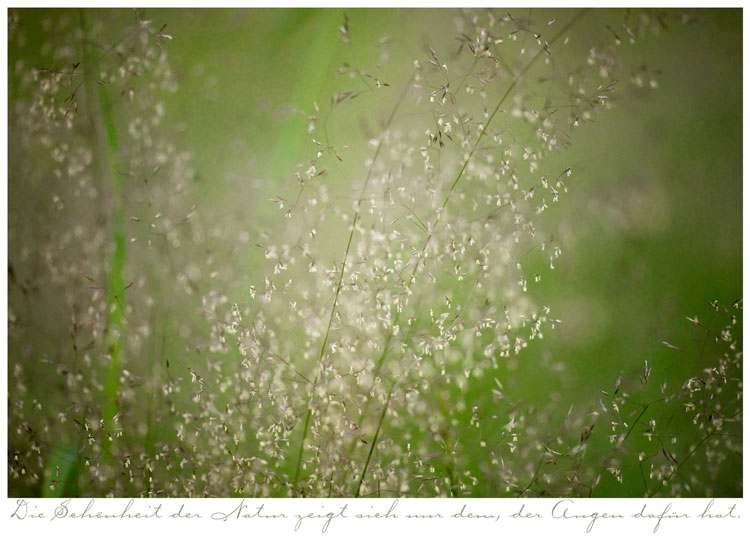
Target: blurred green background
{"type": "Point", "coordinates": [651, 228]}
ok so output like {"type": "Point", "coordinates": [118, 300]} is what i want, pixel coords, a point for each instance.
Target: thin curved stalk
{"type": "Point", "coordinates": [374, 442]}
{"type": "Point", "coordinates": [339, 284]}
{"type": "Point", "coordinates": [397, 316]}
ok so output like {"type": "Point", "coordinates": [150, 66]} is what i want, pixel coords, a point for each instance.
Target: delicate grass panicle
{"type": "Point", "coordinates": [393, 282]}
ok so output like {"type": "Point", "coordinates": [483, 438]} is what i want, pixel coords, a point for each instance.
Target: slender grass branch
{"type": "Point", "coordinates": [459, 175]}
{"type": "Point", "coordinates": [339, 284]}
{"type": "Point", "coordinates": [374, 442]}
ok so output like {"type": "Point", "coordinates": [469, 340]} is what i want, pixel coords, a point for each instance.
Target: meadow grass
{"type": "Point", "coordinates": [363, 332]}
